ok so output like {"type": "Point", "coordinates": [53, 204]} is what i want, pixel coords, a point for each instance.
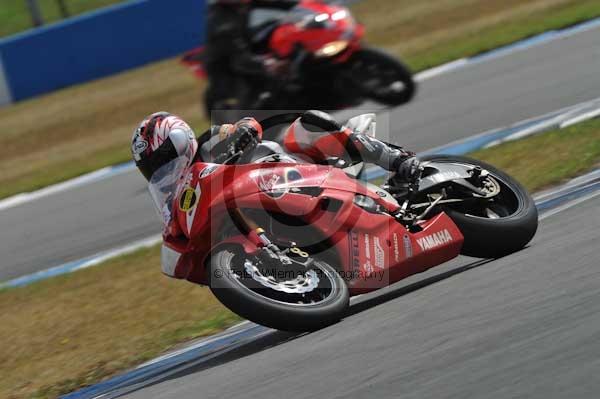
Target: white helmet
{"type": "Point", "coordinates": [159, 139]}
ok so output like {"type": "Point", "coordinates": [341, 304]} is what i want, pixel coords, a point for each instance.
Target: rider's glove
{"type": "Point", "coordinates": [246, 131]}
{"type": "Point", "coordinates": [409, 169]}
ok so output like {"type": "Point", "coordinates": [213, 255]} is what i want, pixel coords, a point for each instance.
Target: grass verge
{"type": "Point", "coordinates": [15, 16]}
{"type": "Point", "coordinates": [430, 33]}
{"type": "Point", "coordinates": [82, 128]}
{"type": "Point", "coordinates": [549, 158]}
{"type": "Point", "coordinates": [80, 328]}
{"type": "Point", "coordinates": [77, 329]}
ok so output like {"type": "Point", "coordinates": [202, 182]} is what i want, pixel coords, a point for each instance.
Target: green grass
{"type": "Point", "coordinates": [15, 16]}
{"type": "Point", "coordinates": [549, 158]}
{"type": "Point", "coordinates": [89, 126]}
{"type": "Point", "coordinates": [446, 30]}
{"type": "Point", "coordinates": [77, 329]}
{"type": "Point", "coordinates": [506, 34]}
{"type": "Point", "coordinates": [62, 170]}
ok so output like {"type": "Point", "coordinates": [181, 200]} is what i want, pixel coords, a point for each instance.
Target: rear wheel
{"type": "Point", "coordinates": [381, 77]}
{"type": "Point", "coordinates": [498, 226]}
{"type": "Point", "coordinates": [285, 297]}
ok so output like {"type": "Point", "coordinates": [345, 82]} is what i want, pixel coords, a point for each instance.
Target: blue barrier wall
{"type": "Point", "coordinates": [5, 95]}
{"type": "Point", "coordinates": [99, 44]}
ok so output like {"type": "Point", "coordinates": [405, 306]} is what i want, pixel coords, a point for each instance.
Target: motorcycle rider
{"type": "Point", "coordinates": [230, 62]}
{"type": "Point", "coordinates": [162, 137]}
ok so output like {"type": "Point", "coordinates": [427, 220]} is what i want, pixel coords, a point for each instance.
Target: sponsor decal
{"type": "Point", "coordinates": [274, 183]}
{"type": "Point", "coordinates": [208, 170]}
{"type": "Point", "coordinates": [189, 217]}
{"type": "Point", "coordinates": [396, 249]}
{"type": "Point", "coordinates": [138, 146]}
{"type": "Point", "coordinates": [188, 199]}
{"type": "Point", "coordinates": [445, 176]}
{"type": "Point", "coordinates": [354, 251]}
{"type": "Point", "coordinates": [379, 253]}
{"type": "Point", "coordinates": [368, 267]}
{"type": "Point", "coordinates": [434, 240]}
{"type": "Point", "coordinates": [407, 246]}
{"type": "Point", "coordinates": [268, 183]}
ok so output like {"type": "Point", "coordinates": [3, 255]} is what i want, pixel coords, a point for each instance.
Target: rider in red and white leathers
{"type": "Point", "coordinates": [163, 137]}
{"type": "Point", "coordinates": [229, 59]}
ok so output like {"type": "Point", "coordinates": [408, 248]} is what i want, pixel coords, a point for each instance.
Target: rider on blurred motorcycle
{"type": "Point", "coordinates": [163, 137]}
{"type": "Point", "coordinates": [230, 62]}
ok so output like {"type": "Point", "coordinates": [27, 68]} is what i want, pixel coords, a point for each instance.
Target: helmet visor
{"type": "Point", "coordinates": [163, 186]}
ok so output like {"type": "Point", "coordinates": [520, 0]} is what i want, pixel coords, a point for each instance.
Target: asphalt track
{"type": "Point", "coordinates": [524, 326]}
{"type": "Point", "coordinates": [83, 221]}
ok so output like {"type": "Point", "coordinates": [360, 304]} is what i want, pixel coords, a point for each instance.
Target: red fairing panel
{"type": "Point", "coordinates": [194, 60]}
{"type": "Point", "coordinates": [189, 208]}
{"type": "Point", "coordinates": [208, 189]}
{"type": "Point", "coordinates": [383, 254]}
{"type": "Point", "coordinates": [190, 203]}
{"type": "Point", "coordinates": [340, 26]}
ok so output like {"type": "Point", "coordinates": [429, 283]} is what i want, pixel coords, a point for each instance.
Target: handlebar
{"type": "Point", "coordinates": [279, 119]}
{"type": "Point", "coordinates": [290, 117]}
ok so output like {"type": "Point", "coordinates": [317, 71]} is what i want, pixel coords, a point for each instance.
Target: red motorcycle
{"type": "Point", "coordinates": [323, 63]}
{"type": "Point", "coordinates": [291, 241]}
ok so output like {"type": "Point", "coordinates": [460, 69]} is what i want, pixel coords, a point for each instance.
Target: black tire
{"type": "Point", "coordinates": [368, 64]}
{"type": "Point", "coordinates": [260, 309]}
{"type": "Point", "coordinates": [494, 238]}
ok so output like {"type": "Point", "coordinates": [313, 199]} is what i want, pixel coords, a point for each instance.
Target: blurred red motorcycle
{"type": "Point", "coordinates": [318, 60]}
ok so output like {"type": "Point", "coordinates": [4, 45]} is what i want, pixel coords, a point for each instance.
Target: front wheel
{"type": "Point", "coordinates": [493, 227]}
{"type": "Point", "coordinates": [381, 77]}
{"type": "Point", "coordinates": [285, 297]}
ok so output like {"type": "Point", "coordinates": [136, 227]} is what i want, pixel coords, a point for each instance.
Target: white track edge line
{"type": "Point", "coordinates": [568, 205]}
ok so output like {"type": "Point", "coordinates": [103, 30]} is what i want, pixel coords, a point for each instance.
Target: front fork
{"type": "Point", "coordinates": [268, 251]}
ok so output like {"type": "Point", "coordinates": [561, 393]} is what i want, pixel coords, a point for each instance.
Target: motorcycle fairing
{"type": "Point", "coordinates": [374, 249]}
{"type": "Point", "coordinates": [313, 25]}
{"type": "Point", "coordinates": [436, 173]}
{"type": "Point", "coordinates": [401, 252]}
{"type": "Point", "coordinates": [251, 185]}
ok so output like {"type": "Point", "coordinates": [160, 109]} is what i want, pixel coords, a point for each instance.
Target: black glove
{"type": "Point", "coordinates": [243, 137]}
{"type": "Point", "coordinates": [227, 140]}
{"type": "Point", "coordinates": [409, 170]}
{"type": "Point", "coordinates": [247, 131]}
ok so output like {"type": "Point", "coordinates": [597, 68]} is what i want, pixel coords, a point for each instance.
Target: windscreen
{"type": "Point", "coordinates": [306, 18]}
